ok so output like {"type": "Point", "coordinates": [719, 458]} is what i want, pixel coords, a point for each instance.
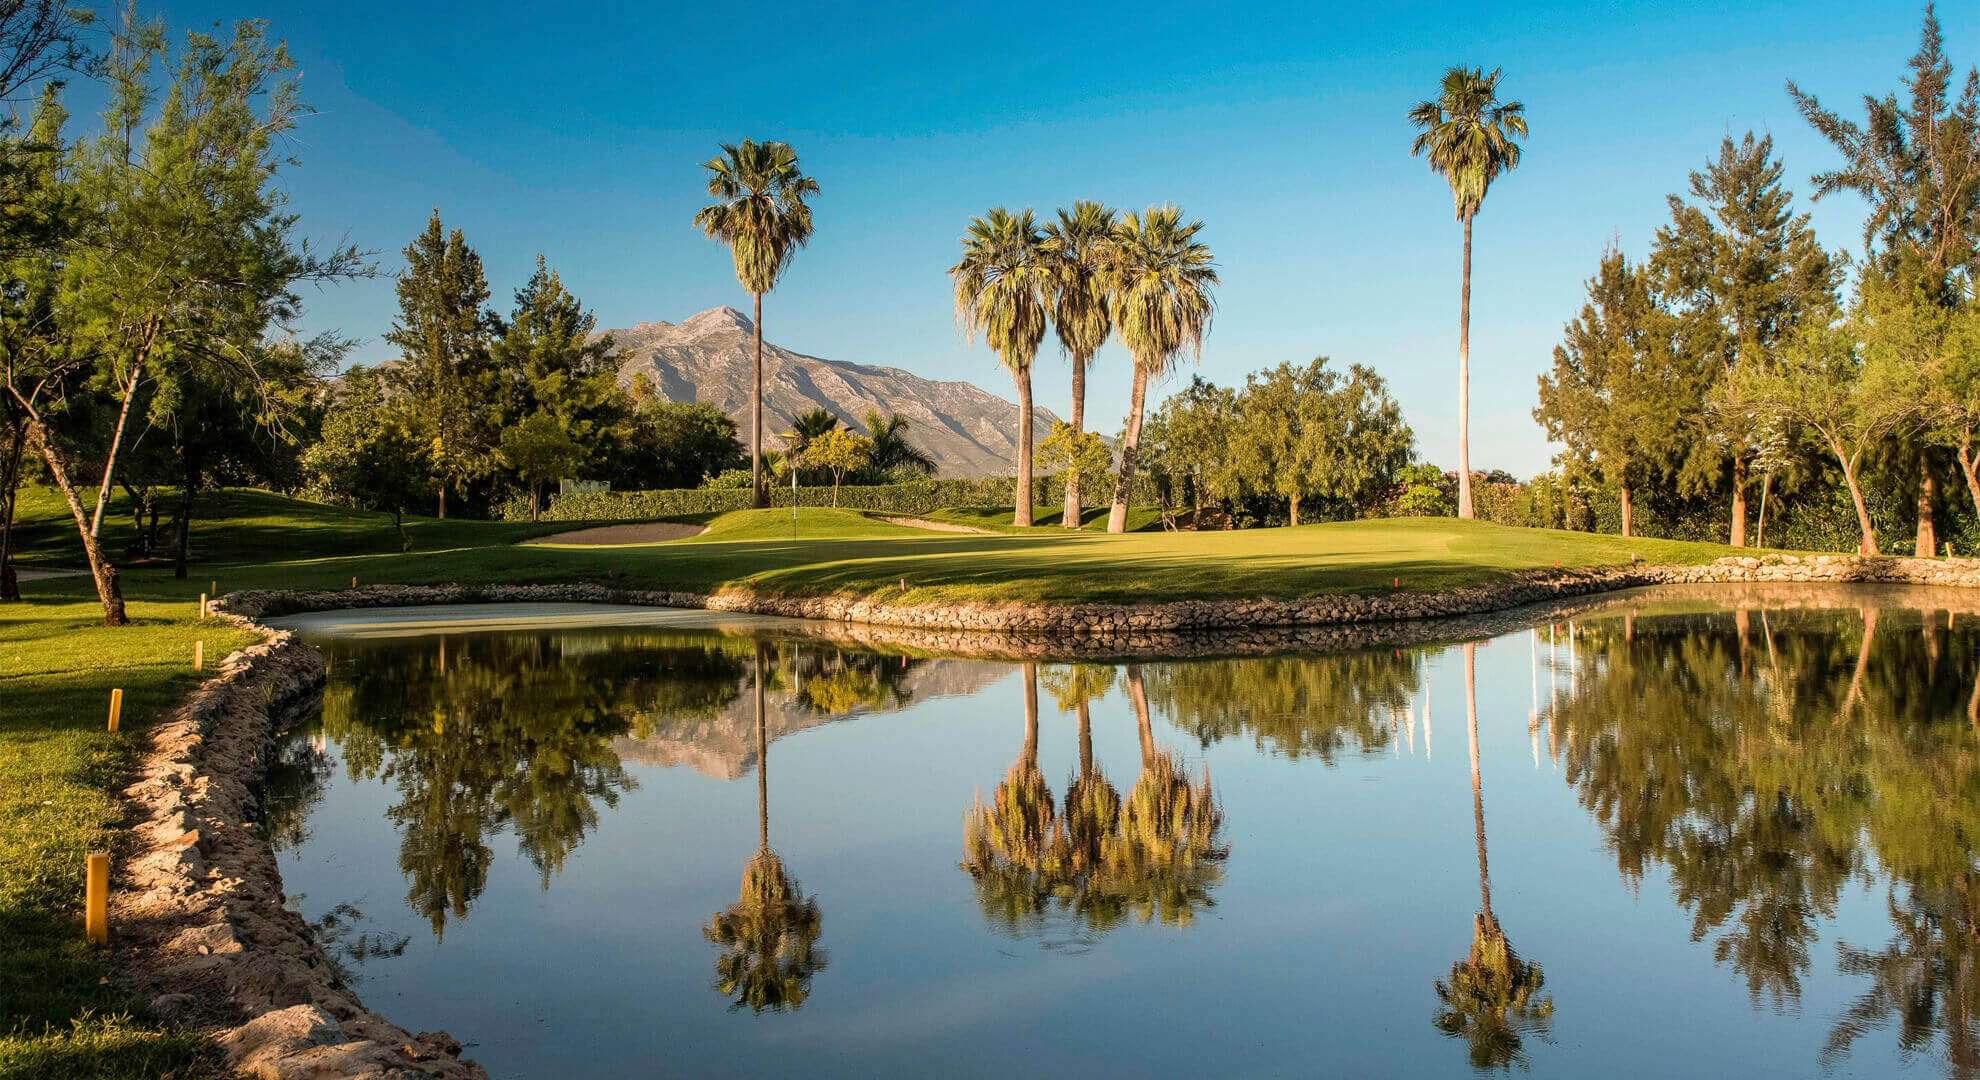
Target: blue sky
{"type": "Point", "coordinates": [576, 130]}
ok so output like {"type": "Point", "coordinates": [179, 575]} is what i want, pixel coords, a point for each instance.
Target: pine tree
{"type": "Point", "coordinates": [549, 372]}
{"type": "Point", "coordinates": [442, 378]}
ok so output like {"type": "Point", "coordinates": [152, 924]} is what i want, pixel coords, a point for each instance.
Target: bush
{"type": "Point", "coordinates": [914, 497]}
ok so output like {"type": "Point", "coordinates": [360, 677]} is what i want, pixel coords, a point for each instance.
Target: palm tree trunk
{"type": "Point", "coordinates": [1085, 714]}
{"type": "Point", "coordinates": [1070, 516]}
{"type": "Point", "coordinates": [1021, 513]}
{"type": "Point", "coordinates": [1138, 697]}
{"type": "Point", "coordinates": [759, 498]}
{"type": "Point", "coordinates": [1736, 535]}
{"type": "Point", "coordinates": [1477, 784]}
{"type": "Point", "coordinates": [762, 761]}
{"type": "Point", "coordinates": [1928, 537]}
{"type": "Point", "coordinates": [1030, 674]}
{"type": "Point", "coordinates": [1130, 443]}
{"type": "Point", "coordinates": [1464, 381]}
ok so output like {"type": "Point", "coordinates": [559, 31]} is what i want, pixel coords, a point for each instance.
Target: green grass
{"type": "Point", "coordinates": [59, 769]}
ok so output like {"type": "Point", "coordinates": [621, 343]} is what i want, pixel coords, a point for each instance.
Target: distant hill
{"type": "Point", "coordinates": [966, 429]}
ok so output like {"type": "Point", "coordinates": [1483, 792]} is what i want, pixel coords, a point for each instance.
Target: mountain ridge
{"type": "Point", "coordinates": [708, 357]}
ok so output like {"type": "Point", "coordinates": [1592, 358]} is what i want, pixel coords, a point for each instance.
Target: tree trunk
{"type": "Point", "coordinates": [1477, 783]}
{"type": "Point", "coordinates": [10, 586]}
{"type": "Point", "coordinates": [1868, 544]}
{"type": "Point", "coordinates": [1085, 713]}
{"type": "Point", "coordinates": [1070, 516]}
{"type": "Point", "coordinates": [835, 492]}
{"type": "Point", "coordinates": [1628, 512]}
{"type": "Point", "coordinates": [1138, 697]}
{"type": "Point", "coordinates": [1760, 531]}
{"type": "Point", "coordinates": [1738, 533]}
{"type": "Point", "coordinates": [442, 498]}
{"type": "Point", "coordinates": [101, 571]}
{"type": "Point", "coordinates": [1021, 513]}
{"type": "Point", "coordinates": [761, 498]}
{"type": "Point", "coordinates": [762, 761]}
{"type": "Point", "coordinates": [1927, 543]}
{"type": "Point", "coordinates": [535, 501]}
{"type": "Point", "coordinates": [1969, 468]}
{"type": "Point", "coordinates": [1295, 511]}
{"type": "Point", "coordinates": [1030, 756]}
{"type": "Point", "coordinates": [116, 442]}
{"type": "Point", "coordinates": [182, 552]}
{"type": "Point", "coordinates": [1464, 381]}
{"type": "Point", "coordinates": [1130, 443]}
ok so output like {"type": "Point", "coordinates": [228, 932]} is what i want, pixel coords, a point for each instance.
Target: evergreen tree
{"type": "Point", "coordinates": [1623, 396]}
{"type": "Point", "coordinates": [547, 364]}
{"type": "Point", "coordinates": [1744, 271]}
{"type": "Point", "coordinates": [443, 379]}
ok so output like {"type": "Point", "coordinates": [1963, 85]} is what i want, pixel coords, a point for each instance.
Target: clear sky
{"type": "Point", "coordinates": [576, 130]}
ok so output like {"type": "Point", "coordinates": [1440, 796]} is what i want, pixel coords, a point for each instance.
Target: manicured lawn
{"type": "Point", "coordinates": [62, 1012]}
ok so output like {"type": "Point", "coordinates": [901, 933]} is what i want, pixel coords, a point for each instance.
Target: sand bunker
{"type": "Point", "coordinates": [652, 532]}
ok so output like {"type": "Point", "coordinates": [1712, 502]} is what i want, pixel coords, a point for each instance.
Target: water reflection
{"type": "Point", "coordinates": [1154, 856]}
{"type": "Point", "coordinates": [769, 936]}
{"type": "Point", "coordinates": [1490, 1000]}
{"type": "Point", "coordinates": [1764, 777]}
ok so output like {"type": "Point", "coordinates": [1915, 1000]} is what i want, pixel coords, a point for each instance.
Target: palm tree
{"type": "Point", "coordinates": [1468, 134]}
{"type": "Point", "coordinates": [1157, 279]}
{"type": "Point", "coordinates": [763, 217]}
{"type": "Point", "coordinates": [1001, 283]}
{"type": "Point", "coordinates": [769, 936]}
{"type": "Point", "coordinates": [1490, 1000]}
{"type": "Point", "coordinates": [1078, 243]}
{"type": "Point", "coordinates": [891, 450]}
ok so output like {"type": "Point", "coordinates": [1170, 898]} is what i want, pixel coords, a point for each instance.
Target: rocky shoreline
{"type": "Point", "coordinates": [200, 907]}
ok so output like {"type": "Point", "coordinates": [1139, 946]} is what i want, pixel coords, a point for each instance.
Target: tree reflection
{"type": "Point", "coordinates": [477, 735]}
{"type": "Point", "coordinates": [1492, 999]}
{"type": "Point", "coordinates": [1155, 855]}
{"type": "Point", "coordinates": [1299, 706]}
{"type": "Point", "coordinates": [769, 936]}
{"type": "Point", "coordinates": [1764, 777]}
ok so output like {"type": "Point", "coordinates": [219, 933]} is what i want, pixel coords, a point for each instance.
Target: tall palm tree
{"type": "Point", "coordinates": [762, 215]}
{"type": "Point", "coordinates": [1001, 283]}
{"type": "Point", "coordinates": [1077, 243]}
{"type": "Point", "coordinates": [1469, 136]}
{"type": "Point", "coordinates": [891, 449]}
{"type": "Point", "coordinates": [1158, 280]}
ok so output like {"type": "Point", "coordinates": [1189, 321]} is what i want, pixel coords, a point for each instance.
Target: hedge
{"type": "Point", "coordinates": [918, 497]}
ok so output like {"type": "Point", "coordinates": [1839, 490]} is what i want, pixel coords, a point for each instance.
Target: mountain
{"type": "Point", "coordinates": [967, 430]}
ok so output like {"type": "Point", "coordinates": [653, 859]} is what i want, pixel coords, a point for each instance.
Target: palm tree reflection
{"type": "Point", "coordinates": [1155, 855]}
{"type": "Point", "coordinates": [1492, 999]}
{"type": "Point", "coordinates": [769, 936]}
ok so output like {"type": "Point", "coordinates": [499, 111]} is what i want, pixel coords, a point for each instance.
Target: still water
{"type": "Point", "coordinates": [1662, 837]}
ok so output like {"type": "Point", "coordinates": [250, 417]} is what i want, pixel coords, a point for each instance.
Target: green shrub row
{"type": "Point", "coordinates": [917, 497]}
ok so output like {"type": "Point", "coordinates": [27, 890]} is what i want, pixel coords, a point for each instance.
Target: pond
{"type": "Point", "coordinates": [1658, 836]}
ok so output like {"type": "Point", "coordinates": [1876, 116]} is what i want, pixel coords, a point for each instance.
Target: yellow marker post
{"type": "Point", "coordinates": [354, 583]}
{"type": "Point", "coordinates": [202, 605]}
{"type": "Point", "coordinates": [199, 656]}
{"type": "Point", "coordinates": [96, 898]}
{"type": "Point", "coordinates": [116, 707]}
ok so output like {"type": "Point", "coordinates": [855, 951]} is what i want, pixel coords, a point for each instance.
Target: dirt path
{"type": "Point", "coordinates": [652, 532]}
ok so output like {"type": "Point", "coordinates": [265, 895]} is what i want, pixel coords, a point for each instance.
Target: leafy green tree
{"type": "Point", "coordinates": [540, 450]}
{"type": "Point", "coordinates": [1076, 245]}
{"type": "Point", "coordinates": [187, 257]}
{"type": "Point", "coordinates": [1197, 426]}
{"type": "Point", "coordinates": [1469, 137]}
{"type": "Point", "coordinates": [671, 444]}
{"type": "Point", "coordinates": [547, 364]}
{"type": "Point", "coordinates": [1307, 433]}
{"type": "Point", "coordinates": [1080, 457]}
{"type": "Point", "coordinates": [443, 379]}
{"type": "Point", "coordinates": [365, 455]}
{"type": "Point", "coordinates": [761, 214]}
{"type": "Point", "coordinates": [893, 455]}
{"type": "Point", "coordinates": [1744, 272]}
{"type": "Point", "coordinates": [1623, 395]}
{"type": "Point", "coordinates": [1425, 492]}
{"type": "Point", "coordinates": [838, 452]}
{"type": "Point", "coordinates": [1159, 280]}
{"type": "Point", "coordinates": [1916, 162]}
{"type": "Point", "coordinates": [1002, 285]}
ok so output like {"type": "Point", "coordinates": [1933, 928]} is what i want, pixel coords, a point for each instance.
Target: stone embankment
{"type": "Point", "coordinates": [198, 908]}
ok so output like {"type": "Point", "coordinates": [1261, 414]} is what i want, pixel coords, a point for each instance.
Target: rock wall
{"type": "Point", "coordinates": [198, 909]}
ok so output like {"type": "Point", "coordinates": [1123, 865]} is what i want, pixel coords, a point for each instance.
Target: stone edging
{"type": "Point", "coordinates": [198, 908]}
